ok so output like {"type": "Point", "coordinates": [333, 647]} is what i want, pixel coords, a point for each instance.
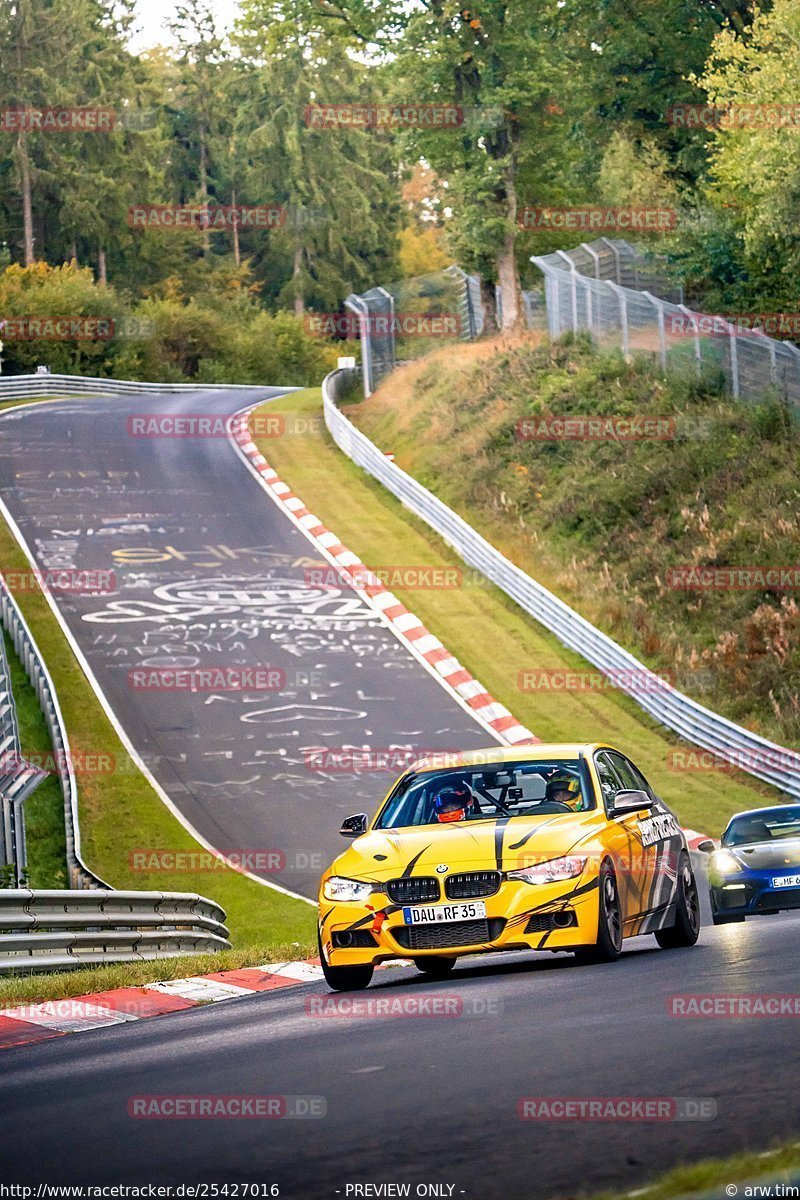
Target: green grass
{"type": "Point", "coordinates": [779, 1165]}
{"type": "Point", "coordinates": [44, 808]}
{"type": "Point", "coordinates": [601, 523]}
{"type": "Point", "coordinates": [30, 989]}
{"type": "Point", "coordinates": [491, 636]}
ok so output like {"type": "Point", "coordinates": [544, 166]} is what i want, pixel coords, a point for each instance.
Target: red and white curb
{"type": "Point", "coordinates": [78, 1014]}
{"type": "Point", "coordinates": [405, 624]}
{"type": "Point", "coordinates": [422, 643]}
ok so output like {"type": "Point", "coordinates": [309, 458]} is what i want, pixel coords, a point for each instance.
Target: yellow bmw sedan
{"type": "Point", "coordinates": [546, 847]}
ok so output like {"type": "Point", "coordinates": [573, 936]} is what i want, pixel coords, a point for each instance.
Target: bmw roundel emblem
{"type": "Point", "coordinates": [442, 867]}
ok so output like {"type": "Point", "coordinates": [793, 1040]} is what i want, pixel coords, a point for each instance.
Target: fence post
{"type": "Point", "coordinates": [617, 262]}
{"type": "Point", "coordinates": [698, 354]}
{"type": "Point", "coordinates": [357, 306]}
{"type": "Point", "coordinates": [662, 337]}
{"type": "Point", "coordinates": [623, 316]}
{"type": "Point", "coordinates": [392, 335]}
{"type": "Point", "coordinates": [595, 257]}
{"type": "Point", "coordinates": [734, 349]}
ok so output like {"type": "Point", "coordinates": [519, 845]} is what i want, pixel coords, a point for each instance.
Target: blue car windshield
{"type": "Point", "coordinates": [772, 824]}
{"type": "Point", "coordinates": [488, 791]}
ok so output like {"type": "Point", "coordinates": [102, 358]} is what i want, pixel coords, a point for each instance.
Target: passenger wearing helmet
{"type": "Point", "coordinates": [452, 802]}
{"type": "Point", "coordinates": [565, 789]}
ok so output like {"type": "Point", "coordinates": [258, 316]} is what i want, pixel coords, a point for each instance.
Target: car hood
{"type": "Point", "coordinates": [500, 844]}
{"type": "Point", "coordinates": [768, 856]}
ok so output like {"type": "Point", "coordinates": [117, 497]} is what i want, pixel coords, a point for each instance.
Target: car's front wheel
{"type": "Point", "coordinates": [435, 967]}
{"type": "Point", "coordinates": [345, 979]}
{"type": "Point", "coordinates": [686, 929]}
{"type": "Point", "coordinates": [608, 946]}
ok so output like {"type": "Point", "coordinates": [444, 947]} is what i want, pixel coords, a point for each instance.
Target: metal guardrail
{"type": "Point", "coordinates": [18, 779]}
{"type": "Point", "coordinates": [698, 725]}
{"type": "Point", "coordinates": [56, 930]}
{"type": "Point", "coordinates": [18, 386]}
{"type": "Point", "coordinates": [15, 625]}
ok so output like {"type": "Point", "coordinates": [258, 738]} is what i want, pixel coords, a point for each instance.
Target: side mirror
{"type": "Point", "coordinates": [707, 847]}
{"type": "Point", "coordinates": [354, 826]}
{"type": "Point", "coordinates": [626, 802]}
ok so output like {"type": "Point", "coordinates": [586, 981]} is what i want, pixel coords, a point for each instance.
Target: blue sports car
{"type": "Point", "coordinates": [757, 867]}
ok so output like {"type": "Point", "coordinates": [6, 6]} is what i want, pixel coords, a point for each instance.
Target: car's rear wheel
{"type": "Point", "coordinates": [686, 929]}
{"type": "Point", "coordinates": [345, 979]}
{"type": "Point", "coordinates": [435, 967]}
{"type": "Point", "coordinates": [608, 946]}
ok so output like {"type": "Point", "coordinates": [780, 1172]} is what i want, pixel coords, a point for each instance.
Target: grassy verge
{"type": "Point", "coordinates": [491, 636]}
{"type": "Point", "coordinates": [44, 808]}
{"type": "Point", "coordinates": [776, 1166]}
{"type": "Point", "coordinates": [31, 989]}
{"type": "Point", "coordinates": [605, 522]}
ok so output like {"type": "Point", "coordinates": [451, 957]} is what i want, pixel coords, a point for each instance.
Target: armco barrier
{"type": "Point", "coordinates": [15, 625]}
{"type": "Point", "coordinates": [765, 760]}
{"type": "Point", "coordinates": [55, 930]}
{"type": "Point", "coordinates": [14, 387]}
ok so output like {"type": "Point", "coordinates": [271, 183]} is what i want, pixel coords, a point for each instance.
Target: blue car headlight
{"type": "Point", "coordinates": [339, 888]}
{"type": "Point", "coordinates": [724, 863]}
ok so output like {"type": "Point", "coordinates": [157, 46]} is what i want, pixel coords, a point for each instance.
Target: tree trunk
{"type": "Point", "coordinates": [27, 206]}
{"type": "Point", "coordinates": [204, 184]}
{"type": "Point", "coordinates": [73, 252]}
{"type": "Point", "coordinates": [236, 255]}
{"type": "Point", "coordinates": [299, 299]}
{"type": "Point", "coordinates": [507, 276]}
{"type": "Point", "coordinates": [102, 276]}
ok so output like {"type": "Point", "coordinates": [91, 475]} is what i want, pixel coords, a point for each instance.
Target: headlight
{"type": "Point", "coordinates": [725, 863]}
{"type": "Point", "coordinates": [550, 872]}
{"type": "Point", "coordinates": [338, 888]}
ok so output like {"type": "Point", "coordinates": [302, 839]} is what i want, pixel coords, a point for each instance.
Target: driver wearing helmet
{"type": "Point", "coordinates": [565, 789]}
{"type": "Point", "coordinates": [452, 802]}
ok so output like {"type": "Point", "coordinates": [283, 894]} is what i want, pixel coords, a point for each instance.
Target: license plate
{"type": "Point", "coordinates": [782, 881]}
{"type": "Point", "coordinates": [434, 913]}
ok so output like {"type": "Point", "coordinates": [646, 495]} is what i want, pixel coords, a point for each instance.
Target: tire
{"type": "Point", "coordinates": [435, 968]}
{"type": "Point", "coordinates": [345, 979]}
{"type": "Point", "coordinates": [686, 929]}
{"type": "Point", "coordinates": [608, 946]}
{"type": "Point", "coordinates": [720, 919]}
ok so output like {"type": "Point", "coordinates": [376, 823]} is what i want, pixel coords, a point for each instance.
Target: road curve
{"type": "Point", "coordinates": [427, 1100]}
{"type": "Point", "coordinates": [210, 573]}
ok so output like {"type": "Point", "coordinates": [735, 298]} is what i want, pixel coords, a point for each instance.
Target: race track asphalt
{"type": "Point", "coordinates": [210, 573]}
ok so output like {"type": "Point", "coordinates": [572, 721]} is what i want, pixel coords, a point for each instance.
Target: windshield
{"type": "Point", "coordinates": [770, 825]}
{"type": "Point", "coordinates": [511, 789]}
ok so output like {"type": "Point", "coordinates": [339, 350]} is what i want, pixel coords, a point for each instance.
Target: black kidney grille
{"type": "Point", "coordinates": [469, 884]}
{"type": "Point", "coordinates": [413, 890]}
{"type": "Point", "coordinates": [448, 934]}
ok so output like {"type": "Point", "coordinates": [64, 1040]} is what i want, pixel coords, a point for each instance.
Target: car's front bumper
{"type": "Point", "coordinates": [520, 916]}
{"type": "Point", "coordinates": [751, 894]}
